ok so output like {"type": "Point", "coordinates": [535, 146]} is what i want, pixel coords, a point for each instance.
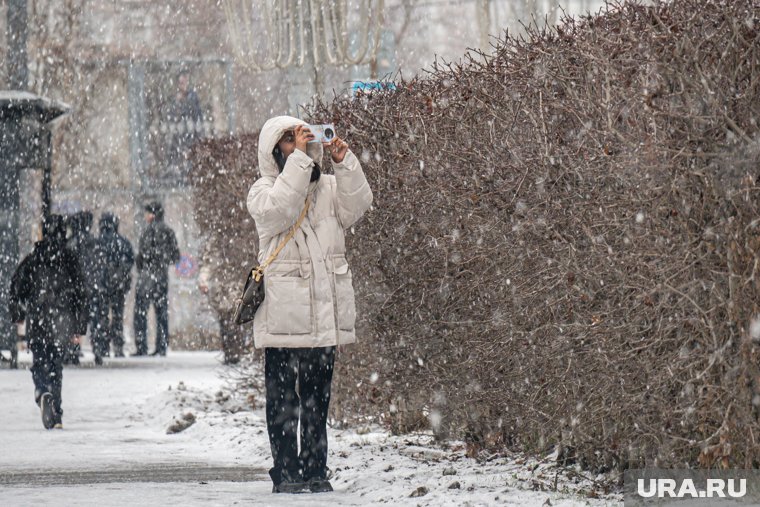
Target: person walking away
{"type": "Point", "coordinates": [83, 245]}
{"type": "Point", "coordinates": [115, 258]}
{"type": "Point", "coordinates": [48, 294]}
{"type": "Point", "coordinates": [309, 308]}
{"type": "Point", "coordinates": [156, 252]}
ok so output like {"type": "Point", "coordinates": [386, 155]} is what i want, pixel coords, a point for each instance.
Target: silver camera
{"type": "Point", "coordinates": [322, 133]}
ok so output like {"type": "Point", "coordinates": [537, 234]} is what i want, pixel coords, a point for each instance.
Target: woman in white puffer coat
{"type": "Point", "coordinates": [309, 306]}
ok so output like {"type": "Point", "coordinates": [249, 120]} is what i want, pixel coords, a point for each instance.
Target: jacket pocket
{"type": "Point", "coordinates": [288, 302]}
{"type": "Point", "coordinates": [344, 293]}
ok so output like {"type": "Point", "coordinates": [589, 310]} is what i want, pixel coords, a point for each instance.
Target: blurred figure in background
{"type": "Point", "coordinates": [185, 118]}
{"type": "Point", "coordinates": [82, 245]}
{"type": "Point", "coordinates": [48, 294]}
{"type": "Point", "coordinates": [232, 338]}
{"type": "Point", "coordinates": [157, 251]}
{"type": "Point", "coordinates": [115, 258]}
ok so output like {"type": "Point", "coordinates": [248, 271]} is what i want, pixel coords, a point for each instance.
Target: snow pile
{"type": "Point", "coordinates": [370, 466]}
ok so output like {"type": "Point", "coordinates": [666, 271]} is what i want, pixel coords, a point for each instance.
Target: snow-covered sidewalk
{"type": "Point", "coordinates": [115, 449]}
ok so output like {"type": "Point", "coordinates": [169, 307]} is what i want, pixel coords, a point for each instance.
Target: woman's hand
{"type": "Point", "coordinates": [337, 148]}
{"type": "Point", "coordinates": [303, 136]}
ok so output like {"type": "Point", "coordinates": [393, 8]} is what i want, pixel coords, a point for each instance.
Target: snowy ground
{"type": "Point", "coordinates": [114, 449]}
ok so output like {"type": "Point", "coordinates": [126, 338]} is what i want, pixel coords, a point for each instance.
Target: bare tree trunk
{"type": "Point", "coordinates": [483, 15]}
{"type": "Point", "coordinates": [17, 34]}
{"type": "Point", "coordinates": [531, 11]}
{"type": "Point", "coordinates": [313, 62]}
{"type": "Point", "coordinates": [408, 8]}
{"type": "Point", "coordinates": [553, 13]}
{"type": "Point", "coordinates": [523, 11]}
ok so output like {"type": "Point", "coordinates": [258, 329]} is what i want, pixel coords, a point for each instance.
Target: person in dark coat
{"type": "Point", "coordinates": [82, 245]}
{"type": "Point", "coordinates": [115, 258]}
{"type": "Point", "coordinates": [185, 118]}
{"type": "Point", "coordinates": [48, 293]}
{"type": "Point", "coordinates": [157, 251]}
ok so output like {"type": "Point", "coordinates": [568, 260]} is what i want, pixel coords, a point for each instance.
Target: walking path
{"type": "Point", "coordinates": [114, 449]}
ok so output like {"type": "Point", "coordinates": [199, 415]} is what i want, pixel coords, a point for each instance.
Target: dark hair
{"type": "Point", "coordinates": [156, 209]}
{"type": "Point", "coordinates": [54, 227]}
{"type": "Point", "coordinates": [109, 222]}
{"type": "Point", "coordinates": [279, 158]}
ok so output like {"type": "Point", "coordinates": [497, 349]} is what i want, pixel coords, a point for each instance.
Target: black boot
{"type": "Point", "coordinates": [291, 487]}
{"type": "Point", "coordinates": [320, 486]}
{"type": "Point", "coordinates": [286, 483]}
{"type": "Point", "coordinates": [48, 411]}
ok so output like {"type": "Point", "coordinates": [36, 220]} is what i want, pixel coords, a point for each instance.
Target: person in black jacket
{"type": "Point", "coordinates": [82, 245]}
{"type": "Point", "coordinates": [157, 251]}
{"type": "Point", "coordinates": [48, 293]}
{"type": "Point", "coordinates": [184, 112]}
{"type": "Point", "coordinates": [115, 258]}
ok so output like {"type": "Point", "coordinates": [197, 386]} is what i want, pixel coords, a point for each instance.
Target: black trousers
{"type": "Point", "coordinates": [298, 391]}
{"type": "Point", "coordinates": [110, 323]}
{"type": "Point", "coordinates": [155, 292]}
{"type": "Point", "coordinates": [48, 337]}
{"type": "Point", "coordinates": [71, 351]}
{"type": "Point", "coordinates": [47, 370]}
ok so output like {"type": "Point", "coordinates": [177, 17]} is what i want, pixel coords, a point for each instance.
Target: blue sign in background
{"type": "Point", "coordinates": [187, 266]}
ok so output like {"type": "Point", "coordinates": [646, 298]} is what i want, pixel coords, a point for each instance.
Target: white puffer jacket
{"type": "Point", "coordinates": [309, 294]}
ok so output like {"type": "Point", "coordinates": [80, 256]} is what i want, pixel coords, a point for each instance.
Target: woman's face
{"type": "Point", "coordinates": [287, 143]}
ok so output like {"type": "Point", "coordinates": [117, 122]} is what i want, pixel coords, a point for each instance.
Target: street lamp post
{"type": "Point", "coordinates": [25, 144]}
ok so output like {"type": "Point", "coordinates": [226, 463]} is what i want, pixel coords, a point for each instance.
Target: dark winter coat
{"type": "Point", "coordinates": [48, 286]}
{"type": "Point", "coordinates": [115, 258]}
{"type": "Point", "coordinates": [158, 249]}
{"type": "Point", "coordinates": [83, 246]}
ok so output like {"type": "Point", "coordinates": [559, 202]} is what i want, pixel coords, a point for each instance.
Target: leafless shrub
{"type": "Point", "coordinates": [225, 170]}
{"type": "Point", "coordinates": [565, 241]}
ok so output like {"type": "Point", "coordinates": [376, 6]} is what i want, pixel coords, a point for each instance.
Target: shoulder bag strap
{"type": "Point", "coordinates": [258, 271]}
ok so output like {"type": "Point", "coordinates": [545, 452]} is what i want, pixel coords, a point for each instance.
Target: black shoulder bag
{"type": "Point", "coordinates": [253, 291]}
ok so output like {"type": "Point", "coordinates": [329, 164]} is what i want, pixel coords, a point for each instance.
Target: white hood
{"type": "Point", "coordinates": [270, 135]}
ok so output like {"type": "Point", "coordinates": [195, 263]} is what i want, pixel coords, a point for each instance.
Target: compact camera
{"type": "Point", "coordinates": [322, 133]}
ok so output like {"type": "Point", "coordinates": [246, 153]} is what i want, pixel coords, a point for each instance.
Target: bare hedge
{"type": "Point", "coordinates": [220, 184]}
{"type": "Point", "coordinates": [565, 241]}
